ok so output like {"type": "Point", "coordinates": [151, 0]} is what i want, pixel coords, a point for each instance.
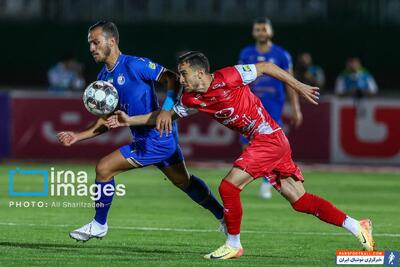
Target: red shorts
{"type": "Point", "coordinates": [269, 156]}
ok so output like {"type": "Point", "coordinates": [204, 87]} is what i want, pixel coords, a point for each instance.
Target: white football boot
{"type": "Point", "coordinates": [88, 231]}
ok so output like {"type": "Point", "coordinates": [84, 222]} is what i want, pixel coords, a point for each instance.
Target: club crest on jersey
{"type": "Point", "coordinates": [121, 79]}
{"type": "Point", "coordinates": [218, 85]}
{"type": "Point", "coordinates": [203, 105]}
{"type": "Point", "coordinates": [152, 65]}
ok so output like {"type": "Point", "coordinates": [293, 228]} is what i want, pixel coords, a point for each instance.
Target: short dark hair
{"type": "Point", "coordinates": [195, 59]}
{"type": "Point", "coordinates": [108, 27]}
{"type": "Point", "coordinates": [262, 20]}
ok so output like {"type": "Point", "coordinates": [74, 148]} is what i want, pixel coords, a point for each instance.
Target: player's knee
{"type": "Point", "coordinates": [226, 188]}
{"type": "Point", "coordinates": [102, 171]}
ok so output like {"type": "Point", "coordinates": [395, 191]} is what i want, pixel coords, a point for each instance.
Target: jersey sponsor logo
{"type": "Point", "coordinates": [203, 105]}
{"type": "Point", "coordinates": [121, 79]}
{"type": "Point", "coordinates": [224, 113]}
{"type": "Point", "coordinates": [110, 79]}
{"type": "Point", "coordinates": [218, 85]}
{"type": "Point", "coordinates": [152, 65]}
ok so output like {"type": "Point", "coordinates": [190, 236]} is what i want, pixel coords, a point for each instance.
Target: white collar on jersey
{"type": "Point", "coordinates": [116, 63]}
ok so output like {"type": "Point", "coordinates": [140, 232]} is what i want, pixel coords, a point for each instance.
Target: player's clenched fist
{"type": "Point", "coordinates": [67, 138]}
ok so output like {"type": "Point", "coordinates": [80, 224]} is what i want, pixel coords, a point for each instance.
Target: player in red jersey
{"type": "Point", "coordinates": [225, 96]}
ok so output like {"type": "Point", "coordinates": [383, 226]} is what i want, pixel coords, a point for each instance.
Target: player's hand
{"type": "Point", "coordinates": [297, 119]}
{"type": "Point", "coordinates": [67, 138]}
{"type": "Point", "coordinates": [118, 119]}
{"type": "Point", "coordinates": [164, 122]}
{"type": "Point", "coordinates": [311, 93]}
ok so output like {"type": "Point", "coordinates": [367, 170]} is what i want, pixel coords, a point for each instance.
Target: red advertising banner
{"type": "Point", "coordinates": [367, 131]}
{"type": "Point", "coordinates": [334, 131]}
{"type": "Point", "coordinates": [311, 141]}
{"type": "Point", "coordinates": [36, 121]}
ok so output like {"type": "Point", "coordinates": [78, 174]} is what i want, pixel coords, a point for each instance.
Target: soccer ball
{"type": "Point", "coordinates": [100, 98]}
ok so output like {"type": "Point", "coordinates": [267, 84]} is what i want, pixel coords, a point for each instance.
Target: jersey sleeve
{"type": "Point", "coordinates": [182, 110]}
{"type": "Point", "coordinates": [145, 69]}
{"type": "Point", "coordinates": [247, 73]}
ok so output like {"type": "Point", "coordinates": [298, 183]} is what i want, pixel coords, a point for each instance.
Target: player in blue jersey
{"type": "Point", "coordinates": [134, 79]}
{"type": "Point", "coordinates": [270, 90]}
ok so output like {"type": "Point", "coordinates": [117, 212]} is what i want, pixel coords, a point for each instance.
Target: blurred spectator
{"type": "Point", "coordinates": [355, 80]}
{"type": "Point", "coordinates": [308, 73]}
{"type": "Point", "coordinates": [66, 75]}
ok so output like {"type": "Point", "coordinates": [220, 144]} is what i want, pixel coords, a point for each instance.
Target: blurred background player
{"type": "Point", "coordinates": [306, 72]}
{"type": "Point", "coordinates": [356, 82]}
{"type": "Point", "coordinates": [134, 79]}
{"type": "Point", "coordinates": [271, 91]}
{"type": "Point", "coordinates": [66, 75]}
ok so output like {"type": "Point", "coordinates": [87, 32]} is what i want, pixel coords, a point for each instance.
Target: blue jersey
{"type": "Point", "coordinates": [270, 90]}
{"type": "Point", "coordinates": [134, 78]}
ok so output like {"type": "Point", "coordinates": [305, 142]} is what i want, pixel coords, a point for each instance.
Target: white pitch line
{"type": "Point", "coordinates": [150, 229]}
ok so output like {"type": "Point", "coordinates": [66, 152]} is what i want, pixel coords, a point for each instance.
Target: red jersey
{"type": "Point", "coordinates": [230, 101]}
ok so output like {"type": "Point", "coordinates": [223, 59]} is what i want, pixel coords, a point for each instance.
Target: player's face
{"type": "Point", "coordinates": [189, 78]}
{"type": "Point", "coordinates": [262, 32]}
{"type": "Point", "coordinates": [99, 45]}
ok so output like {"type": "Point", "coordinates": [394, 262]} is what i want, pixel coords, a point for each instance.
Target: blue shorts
{"type": "Point", "coordinates": [160, 152]}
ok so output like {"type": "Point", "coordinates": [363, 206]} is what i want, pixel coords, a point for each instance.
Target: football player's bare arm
{"type": "Point", "coordinates": [121, 119]}
{"type": "Point", "coordinates": [171, 81]}
{"type": "Point", "coordinates": [68, 138]}
{"type": "Point", "coordinates": [293, 97]}
{"type": "Point", "coordinates": [309, 92]}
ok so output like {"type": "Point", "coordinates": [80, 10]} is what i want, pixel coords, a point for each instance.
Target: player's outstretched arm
{"type": "Point", "coordinates": [68, 138]}
{"type": "Point", "coordinates": [308, 92]}
{"type": "Point", "coordinates": [121, 119]}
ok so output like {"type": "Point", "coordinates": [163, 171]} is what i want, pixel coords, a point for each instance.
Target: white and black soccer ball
{"type": "Point", "coordinates": [100, 98]}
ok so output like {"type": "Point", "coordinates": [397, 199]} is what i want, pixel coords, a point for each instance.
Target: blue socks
{"type": "Point", "coordinates": [199, 192]}
{"type": "Point", "coordinates": [104, 203]}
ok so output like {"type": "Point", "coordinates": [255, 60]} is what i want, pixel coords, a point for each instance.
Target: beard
{"type": "Point", "coordinates": [106, 54]}
{"type": "Point", "coordinates": [262, 40]}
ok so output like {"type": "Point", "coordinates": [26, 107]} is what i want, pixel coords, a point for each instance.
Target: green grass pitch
{"type": "Point", "coordinates": [155, 224]}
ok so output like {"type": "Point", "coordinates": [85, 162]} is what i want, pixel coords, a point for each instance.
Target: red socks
{"type": "Point", "coordinates": [308, 203]}
{"type": "Point", "coordinates": [320, 208]}
{"type": "Point", "coordinates": [230, 195]}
